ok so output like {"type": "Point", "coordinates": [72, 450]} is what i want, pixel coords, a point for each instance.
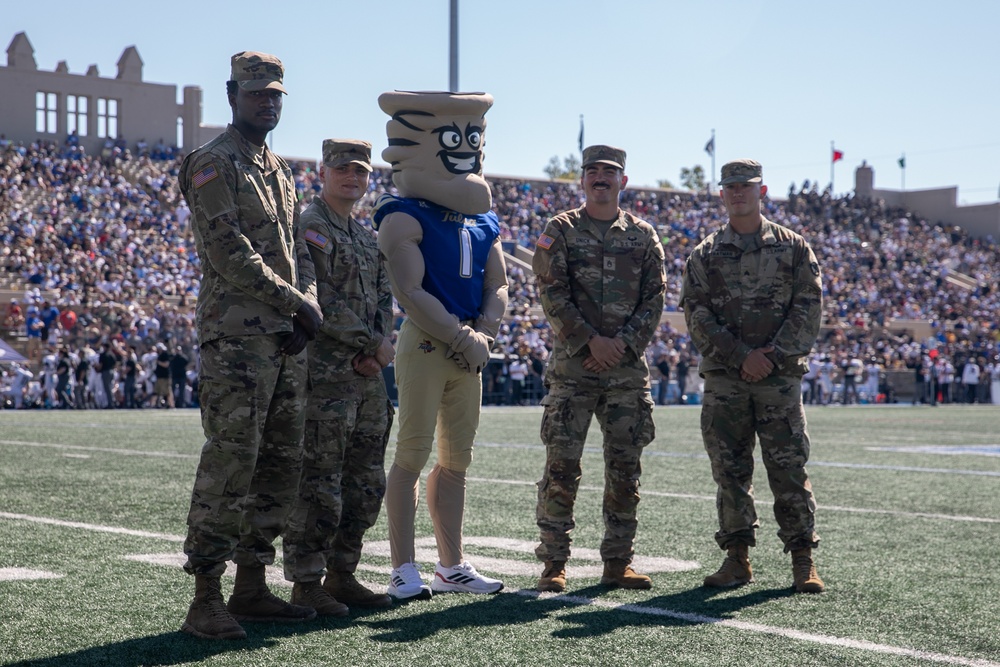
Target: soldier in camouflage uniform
{"type": "Point", "coordinates": [349, 413]}
{"type": "Point", "coordinates": [256, 312]}
{"type": "Point", "coordinates": [752, 300]}
{"type": "Point", "coordinates": [601, 279]}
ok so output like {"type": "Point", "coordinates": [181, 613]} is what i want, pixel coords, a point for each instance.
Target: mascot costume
{"type": "Point", "coordinates": [442, 250]}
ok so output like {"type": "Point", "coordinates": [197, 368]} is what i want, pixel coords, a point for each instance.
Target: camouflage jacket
{"type": "Point", "coordinates": [610, 286]}
{"type": "Point", "coordinates": [739, 295]}
{"type": "Point", "coordinates": [353, 291]}
{"type": "Point", "coordinates": [255, 273]}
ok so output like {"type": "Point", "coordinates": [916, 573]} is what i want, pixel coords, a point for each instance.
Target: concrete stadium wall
{"type": "Point", "coordinates": [936, 205]}
{"type": "Point", "coordinates": [145, 110]}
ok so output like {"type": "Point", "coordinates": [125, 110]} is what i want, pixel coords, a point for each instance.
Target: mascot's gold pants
{"type": "Point", "coordinates": [434, 393]}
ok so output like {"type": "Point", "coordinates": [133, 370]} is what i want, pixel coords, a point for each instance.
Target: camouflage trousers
{"type": "Point", "coordinates": [734, 412]}
{"type": "Point", "coordinates": [343, 478]}
{"type": "Point", "coordinates": [252, 399]}
{"type": "Point", "coordinates": [626, 419]}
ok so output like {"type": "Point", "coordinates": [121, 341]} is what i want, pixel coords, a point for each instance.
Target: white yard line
{"type": "Point", "coordinates": [90, 526]}
{"type": "Point", "coordinates": [517, 482]}
{"type": "Point", "coordinates": [274, 576]}
{"type": "Point", "coordinates": [589, 450]}
{"type": "Point", "coordinates": [691, 496]}
{"type": "Point", "coordinates": [745, 626]}
{"type": "Point", "coordinates": [106, 450]}
{"type": "Point", "coordinates": [24, 574]}
{"type": "Point", "coordinates": [812, 464]}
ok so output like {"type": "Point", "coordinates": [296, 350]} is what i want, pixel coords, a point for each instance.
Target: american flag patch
{"type": "Point", "coordinates": [545, 241]}
{"type": "Point", "coordinates": [204, 176]}
{"type": "Point", "coordinates": [317, 239]}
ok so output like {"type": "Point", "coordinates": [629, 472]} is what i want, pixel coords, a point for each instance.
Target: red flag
{"type": "Point", "coordinates": [837, 155]}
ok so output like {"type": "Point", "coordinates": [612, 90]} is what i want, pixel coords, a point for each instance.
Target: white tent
{"type": "Point", "coordinates": [9, 354]}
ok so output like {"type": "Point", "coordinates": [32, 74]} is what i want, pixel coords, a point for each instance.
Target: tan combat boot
{"type": "Point", "coordinates": [207, 618]}
{"type": "Point", "coordinates": [347, 589]}
{"type": "Point", "coordinates": [618, 572]}
{"type": "Point", "coordinates": [553, 578]}
{"type": "Point", "coordinates": [804, 572]}
{"type": "Point", "coordinates": [312, 594]}
{"type": "Point", "coordinates": [735, 570]}
{"type": "Point", "coordinates": [253, 601]}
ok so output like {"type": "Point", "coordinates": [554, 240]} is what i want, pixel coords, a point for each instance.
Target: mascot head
{"type": "Point", "coordinates": [436, 147]}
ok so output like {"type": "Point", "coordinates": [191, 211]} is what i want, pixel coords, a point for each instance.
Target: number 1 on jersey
{"type": "Point", "coordinates": [465, 253]}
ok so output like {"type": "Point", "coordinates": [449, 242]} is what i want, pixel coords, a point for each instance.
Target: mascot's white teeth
{"type": "Point", "coordinates": [463, 164]}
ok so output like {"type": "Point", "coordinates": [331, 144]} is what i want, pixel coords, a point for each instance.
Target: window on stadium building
{"type": "Point", "coordinates": [46, 106]}
{"type": "Point", "coordinates": [107, 117]}
{"type": "Point", "coordinates": [76, 115]}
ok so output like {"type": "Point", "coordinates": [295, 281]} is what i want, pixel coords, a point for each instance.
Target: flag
{"type": "Point", "coordinates": [837, 155]}
{"type": "Point", "coordinates": [710, 147]}
{"type": "Point", "coordinates": [204, 176]}
{"type": "Point", "coordinates": [580, 139]}
{"type": "Point", "coordinates": [902, 162]}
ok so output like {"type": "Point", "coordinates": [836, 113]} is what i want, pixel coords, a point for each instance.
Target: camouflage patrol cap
{"type": "Point", "coordinates": [742, 171]}
{"type": "Point", "coordinates": [604, 155]}
{"type": "Point", "coordinates": [257, 71]}
{"type": "Point", "coordinates": [347, 151]}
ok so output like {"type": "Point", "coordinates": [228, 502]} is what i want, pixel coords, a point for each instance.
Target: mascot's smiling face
{"type": "Point", "coordinates": [461, 151]}
{"type": "Point", "coordinates": [436, 147]}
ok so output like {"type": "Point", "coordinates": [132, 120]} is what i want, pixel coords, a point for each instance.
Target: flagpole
{"type": "Point", "coordinates": [580, 139]}
{"type": "Point", "coordinates": [832, 163]}
{"type": "Point", "coordinates": [711, 181]}
{"type": "Point", "coordinates": [902, 164]}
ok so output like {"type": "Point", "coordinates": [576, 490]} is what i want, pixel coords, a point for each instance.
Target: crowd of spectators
{"type": "Point", "coordinates": [100, 254]}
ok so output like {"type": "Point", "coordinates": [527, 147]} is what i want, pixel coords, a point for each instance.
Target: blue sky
{"type": "Point", "coordinates": [777, 80]}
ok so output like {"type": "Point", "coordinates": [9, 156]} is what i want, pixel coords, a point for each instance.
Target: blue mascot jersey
{"type": "Point", "coordinates": [455, 247]}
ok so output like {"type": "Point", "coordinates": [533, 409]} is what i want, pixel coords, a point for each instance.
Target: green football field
{"type": "Point", "coordinates": [93, 504]}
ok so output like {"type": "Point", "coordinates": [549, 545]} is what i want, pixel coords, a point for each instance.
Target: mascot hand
{"type": "Point", "coordinates": [473, 347]}
{"type": "Point", "coordinates": [458, 359]}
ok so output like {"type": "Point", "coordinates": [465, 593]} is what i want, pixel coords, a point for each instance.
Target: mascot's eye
{"type": "Point", "coordinates": [451, 139]}
{"type": "Point", "coordinates": [475, 138]}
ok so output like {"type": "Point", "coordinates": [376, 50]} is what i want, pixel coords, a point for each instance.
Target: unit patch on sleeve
{"type": "Point", "coordinates": [545, 241]}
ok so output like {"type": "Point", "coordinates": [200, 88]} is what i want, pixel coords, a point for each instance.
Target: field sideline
{"type": "Point", "coordinates": [92, 508]}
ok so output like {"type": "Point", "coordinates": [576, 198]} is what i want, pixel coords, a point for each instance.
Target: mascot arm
{"type": "Point", "coordinates": [399, 239]}
{"type": "Point", "coordinates": [494, 293]}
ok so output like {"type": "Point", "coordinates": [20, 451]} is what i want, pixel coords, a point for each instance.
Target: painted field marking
{"type": "Point", "coordinates": [588, 450]}
{"type": "Point", "coordinates": [24, 574]}
{"type": "Point", "coordinates": [106, 450]}
{"type": "Point", "coordinates": [828, 640]}
{"type": "Point", "coordinates": [691, 496]}
{"type": "Point", "coordinates": [90, 526]}
{"type": "Point", "coordinates": [811, 464]}
{"type": "Point", "coordinates": [585, 562]}
{"type": "Point", "coordinates": [946, 450]}
{"type": "Point", "coordinates": [275, 576]}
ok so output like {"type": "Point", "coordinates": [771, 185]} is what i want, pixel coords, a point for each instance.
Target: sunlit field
{"type": "Point", "coordinates": [93, 504]}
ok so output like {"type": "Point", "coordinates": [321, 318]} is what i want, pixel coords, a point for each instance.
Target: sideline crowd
{"type": "Point", "coordinates": [108, 234]}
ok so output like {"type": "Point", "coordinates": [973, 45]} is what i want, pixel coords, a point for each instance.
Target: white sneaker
{"type": "Point", "coordinates": [462, 578]}
{"type": "Point", "coordinates": [405, 583]}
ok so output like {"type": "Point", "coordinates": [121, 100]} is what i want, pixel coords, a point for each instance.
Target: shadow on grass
{"type": "Point", "coordinates": [169, 648]}
{"type": "Point", "coordinates": [699, 605]}
{"type": "Point", "coordinates": [174, 648]}
{"type": "Point", "coordinates": [495, 610]}
{"type": "Point", "coordinates": [696, 606]}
